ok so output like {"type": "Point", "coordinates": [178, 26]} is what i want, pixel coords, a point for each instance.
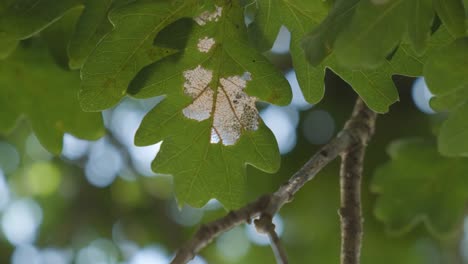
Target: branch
{"type": "Point", "coordinates": [358, 127]}
{"type": "Point", "coordinates": [350, 181]}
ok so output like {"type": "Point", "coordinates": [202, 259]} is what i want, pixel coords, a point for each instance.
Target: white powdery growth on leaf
{"type": "Point", "coordinates": [234, 111]}
{"type": "Point", "coordinates": [206, 16]}
{"type": "Point", "coordinates": [196, 86]}
{"type": "Point", "coordinates": [205, 44]}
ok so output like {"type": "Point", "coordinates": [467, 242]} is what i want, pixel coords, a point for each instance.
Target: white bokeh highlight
{"type": "Point", "coordinates": [100, 251]}
{"type": "Point", "coordinates": [26, 254]}
{"type": "Point", "coordinates": [233, 244]}
{"type": "Point", "coordinates": [56, 256]}
{"type": "Point", "coordinates": [74, 148]}
{"type": "Point", "coordinates": [281, 44]}
{"type": "Point", "coordinates": [21, 221]}
{"type": "Point", "coordinates": [282, 121]}
{"type": "Point", "coordinates": [262, 239]}
{"type": "Point", "coordinates": [422, 96]}
{"type": "Point", "coordinates": [104, 163]}
{"type": "Point", "coordinates": [150, 255]}
{"type": "Point", "coordinates": [124, 122]}
{"type": "Point", "coordinates": [185, 216]}
{"type": "Point", "coordinates": [298, 101]}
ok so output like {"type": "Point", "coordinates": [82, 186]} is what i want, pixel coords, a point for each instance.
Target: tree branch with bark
{"type": "Point", "coordinates": [350, 143]}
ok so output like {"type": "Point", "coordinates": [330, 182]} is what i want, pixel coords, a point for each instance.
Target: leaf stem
{"type": "Point", "coordinates": [356, 132]}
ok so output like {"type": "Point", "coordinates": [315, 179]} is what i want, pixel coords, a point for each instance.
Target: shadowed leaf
{"type": "Point", "coordinates": [32, 85]}
{"type": "Point", "coordinates": [420, 185]}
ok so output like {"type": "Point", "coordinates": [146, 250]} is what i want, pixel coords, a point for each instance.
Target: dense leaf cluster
{"type": "Point", "coordinates": [63, 61]}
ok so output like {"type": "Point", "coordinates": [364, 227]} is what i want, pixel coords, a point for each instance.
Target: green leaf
{"type": "Point", "coordinates": [319, 43]}
{"type": "Point", "coordinates": [208, 120]}
{"type": "Point", "coordinates": [299, 17]}
{"type": "Point", "coordinates": [122, 53]}
{"type": "Point", "coordinates": [439, 73]}
{"type": "Point", "coordinates": [450, 88]}
{"type": "Point", "coordinates": [32, 85]}
{"type": "Point", "coordinates": [373, 33]}
{"type": "Point", "coordinates": [7, 45]}
{"type": "Point", "coordinates": [452, 14]}
{"type": "Point", "coordinates": [20, 19]}
{"type": "Point", "coordinates": [419, 24]}
{"type": "Point", "coordinates": [90, 29]}
{"type": "Point", "coordinates": [57, 35]}
{"type": "Point", "coordinates": [453, 139]}
{"type": "Point", "coordinates": [374, 86]}
{"type": "Point", "coordinates": [419, 185]}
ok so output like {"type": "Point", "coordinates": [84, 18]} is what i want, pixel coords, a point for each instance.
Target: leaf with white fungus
{"type": "Point", "coordinates": [208, 120]}
{"type": "Point", "coordinates": [234, 110]}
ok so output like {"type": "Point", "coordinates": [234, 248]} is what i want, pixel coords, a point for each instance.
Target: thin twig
{"type": "Point", "coordinates": [350, 181]}
{"type": "Point", "coordinates": [278, 250]}
{"type": "Point", "coordinates": [267, 206]}
{"type": "Point", "coordinates": [265, 225]}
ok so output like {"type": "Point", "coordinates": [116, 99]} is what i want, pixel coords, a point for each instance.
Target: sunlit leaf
{"type": "Point", "coordinates": [31, 84]}
{"type": "Point", "coordinates": [208, 120]}
{"type": "Point", "coordinates": [420, 185]}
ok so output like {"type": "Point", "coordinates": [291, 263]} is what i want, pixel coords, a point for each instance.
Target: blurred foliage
{"type": "Point", "coordinates": [34, 86]}
{"type": "Point", "coordinates": [421, 185]}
